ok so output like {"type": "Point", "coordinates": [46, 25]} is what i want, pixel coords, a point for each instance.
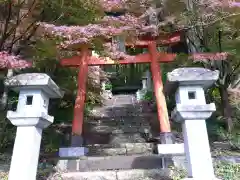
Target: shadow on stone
{"type": "Point", "coordinates": [146, 162]}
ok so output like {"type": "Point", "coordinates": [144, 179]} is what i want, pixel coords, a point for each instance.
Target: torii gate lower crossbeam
{"type": "Point", "coordinates": [85, 60]}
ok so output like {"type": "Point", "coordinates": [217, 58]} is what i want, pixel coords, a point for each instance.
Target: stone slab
{"type": "Point", "coordinates": [107, 151]}
{"type": "Point", "coordinates": [103, 146]}
{"type": "Point", "coordinates": [71, 152]}
{"type": "Point", "coordinates": [126, 138]}
{"type": "Point", "coordinates": [171, 149]}
{"type": "Point", "coordinates": [4, 167]}
{"type": "Point", "coordinates": [97, 175]}
{"type": "Point", "coordinates": [221, 145]}
{"type": "Point", "coordinates": [229, 159]}
{"type": "Point", "coordinates": [134, 174]}
{"type": "Point", "coordinates": [123, 115]}
{"type": "Point", "coordinates": [201, 179]}
{"type": "Point", "coordinates": [113, 139]}
{"type": "Point", "coordinates": [142, 174]}
{"type": "Point", "coordinates": [117, 129]}
{"type": "Point", "coordinates": [139, 148]}
{"type": "Point", "coordinates": [134, 121]}
{"type": "Point", "coordinates": [120, 149]}
{"type": "Point", "coordinates": [111, 163]}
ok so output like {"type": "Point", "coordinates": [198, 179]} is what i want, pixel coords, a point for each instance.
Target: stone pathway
{"type": "Point", "coordinates": [118, 105]}
{"type": "Point", "coordinates": [118, 121]}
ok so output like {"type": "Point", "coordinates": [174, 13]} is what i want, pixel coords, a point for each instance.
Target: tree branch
{"type": "Point", "coordinates": [234, 70]}
{"type": "Point", "coordinates": [213, 22]}
{"type": "Point", "coordinates": [15, 31]}
{"type": "Point", "coordinates": [25, 32]}
{"type": "Point", "coordinates": [31, 33]}
{"type": "Point", "coordinates": [7, 21]}
{"type": "Point", "coordinates": [30, 11]}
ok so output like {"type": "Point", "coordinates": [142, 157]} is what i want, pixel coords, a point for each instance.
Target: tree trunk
{"type": "Point", "coordinates": [226, 107]}
{"type": "Point", "coordinates": [4, 97]}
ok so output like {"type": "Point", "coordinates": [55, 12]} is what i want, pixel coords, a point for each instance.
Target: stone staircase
{"type": "Point", "coordinates": [117, 130]}
{"type": "Point", "coordinates": [117, 136]}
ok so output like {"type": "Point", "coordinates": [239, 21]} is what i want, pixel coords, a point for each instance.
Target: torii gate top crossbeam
{"type": "Point", "coordinates": [95, 61]}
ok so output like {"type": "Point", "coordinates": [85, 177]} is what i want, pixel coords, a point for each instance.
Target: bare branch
{"type": "Point", "coordinates": [32, 25]}
{"type": "Point", "coordinates": [235, 69]}
{"type": "Point", "coordinates": [7, 21]}
{"type": "Point", "coordinates": [211, 23]}
{"type": "Point", "coordinates": [15, 31]}
{"type": "Point", "coordinates": [29, 13]}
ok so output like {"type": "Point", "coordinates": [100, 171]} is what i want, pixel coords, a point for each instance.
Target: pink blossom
{"type": "Point", "coordinates": [130, 25]}
{"type": "Point", "coordinates": [112, 51]}
{"type": "Point", "coordinates": [110, 5]}
{"type": "Point", "coordinates": [73, 33]}
{"type": "Point", "coordinates": [234, 4]}
{"type": "Point", "coordinates": [209, 56]}
{"type": "Point", "coordinates": [9, 61]}
{"type": "Point", "coordinates": [107, 28]}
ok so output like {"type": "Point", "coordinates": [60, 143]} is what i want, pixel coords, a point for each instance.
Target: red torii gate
{"type": "Point", "coordinates": [154, 57]}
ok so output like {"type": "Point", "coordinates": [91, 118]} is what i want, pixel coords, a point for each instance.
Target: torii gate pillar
{"type": "Point", "coordinates": [76, 149]}
{"type": "Point", "coordinates": [78, 116]}
{"type": "Point", "coordinates": [165, 129]}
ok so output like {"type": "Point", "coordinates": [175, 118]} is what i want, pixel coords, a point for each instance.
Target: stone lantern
{"type": "Point", "coordinates": [30, 117]}
{"type": "Point", "coordinates": [144, 82]}
{"type": "Point", "coordinates": [191, 111]}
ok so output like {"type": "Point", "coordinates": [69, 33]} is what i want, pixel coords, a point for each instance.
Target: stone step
{"type": "Point", "coordinates": [122, 113]}
{"type": "Point", "coordinates": [114, 123]}
{"type": "Point", "coordinates": [107, 152]}
{"type": "Point", "coordinates": [117, 129]}
{"type": "Point", "coordinates": [121, 145]}
{"type": "Point", "coordinates": [136, 113]}
{"type": "Point", "coordinates": [89, 163]}
{"type": "Point", "coordinates": [113, 139]}
{"type": "Point", "coordinates": [118, 120]}
{"type": "Point", "coordinates": [121, 149]}
{"type": "Point", "coordinates": [134, 174]}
